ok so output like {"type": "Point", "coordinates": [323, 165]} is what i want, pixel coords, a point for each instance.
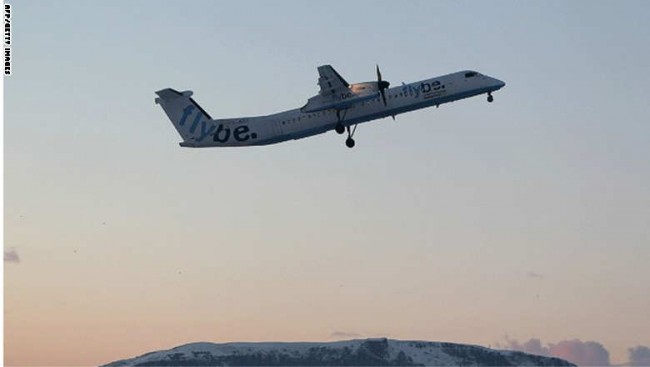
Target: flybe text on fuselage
{"type": "Point", "coordinates": [240, 133]}
{"type": "Point", "coordinates": [408, 89]}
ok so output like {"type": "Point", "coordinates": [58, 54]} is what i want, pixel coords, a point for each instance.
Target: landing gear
{"type": "Point", "coordinates": [340, 129]}
{"type": "Point", "coordinates": [349, 142]}
{"type": "Point", "coordinates": [490, 98]}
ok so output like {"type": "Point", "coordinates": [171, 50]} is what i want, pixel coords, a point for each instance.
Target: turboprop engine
{"type": "Point", "coordinates": [355, 93]}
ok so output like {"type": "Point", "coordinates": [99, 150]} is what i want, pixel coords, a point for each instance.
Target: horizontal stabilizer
{"type": "Point", "coordinates": [170, 94]}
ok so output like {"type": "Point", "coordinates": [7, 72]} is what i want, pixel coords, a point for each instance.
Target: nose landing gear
{"type": "Point", "coordinates": [490, 98]}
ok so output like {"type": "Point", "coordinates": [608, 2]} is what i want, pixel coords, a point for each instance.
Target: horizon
{"type": "Point", "coordinates": [522, 222]}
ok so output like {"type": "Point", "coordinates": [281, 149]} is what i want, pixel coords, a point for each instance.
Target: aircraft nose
{"type": "Point", "coordinates": [500, 84]}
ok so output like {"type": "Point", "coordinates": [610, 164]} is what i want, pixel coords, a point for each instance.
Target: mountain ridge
{"type": "Point", "coordinates": [355, 352]}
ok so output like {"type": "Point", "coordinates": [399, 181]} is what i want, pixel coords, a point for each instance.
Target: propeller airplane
{"type": "Point", "coordinates": [338, 106]}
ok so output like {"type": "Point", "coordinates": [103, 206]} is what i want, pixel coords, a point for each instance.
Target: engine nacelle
{"type": "Point", "coordinates": [362, 89]}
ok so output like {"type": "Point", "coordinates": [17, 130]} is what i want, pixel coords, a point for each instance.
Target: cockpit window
{"type": "Point", "coordinates": [470, 74]}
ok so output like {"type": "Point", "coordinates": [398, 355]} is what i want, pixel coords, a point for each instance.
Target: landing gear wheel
{"type": "Point", "coordinates": [490, 98]}
{"type": "Point", "coordinates": [349, 142]}
{"type": "Point", "coordinates": [340, 129]}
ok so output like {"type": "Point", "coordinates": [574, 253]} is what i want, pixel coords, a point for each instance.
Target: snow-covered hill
{"type": "Point", "coordinates": [365, 352]}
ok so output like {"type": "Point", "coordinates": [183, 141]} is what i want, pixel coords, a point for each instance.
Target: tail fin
{"type": "Point", "coordinates": [190, 120]}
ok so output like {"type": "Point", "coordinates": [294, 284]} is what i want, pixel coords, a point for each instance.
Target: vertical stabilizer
{"type": "Point", "coordinates": [190, 120]}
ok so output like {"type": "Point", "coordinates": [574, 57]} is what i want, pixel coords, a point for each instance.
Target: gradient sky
{"type": "Point", "coordinates": [528, 217]}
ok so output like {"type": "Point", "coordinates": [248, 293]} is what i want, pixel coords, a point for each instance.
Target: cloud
{"type": "Point", "coordinates": [11, 256]}
{"type": "Point", "coordinates": [639, 356]}
{"type": "Point", "coordinates": [587, 353]}
{"type": "Point", "coordinates": [344, 334]}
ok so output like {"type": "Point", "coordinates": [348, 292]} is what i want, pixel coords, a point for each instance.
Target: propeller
{"type": "Point", "coordinates": [382, 85]}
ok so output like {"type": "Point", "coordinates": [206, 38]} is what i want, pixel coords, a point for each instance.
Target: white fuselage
{"type": "Point", "coordinates": [296, 124]}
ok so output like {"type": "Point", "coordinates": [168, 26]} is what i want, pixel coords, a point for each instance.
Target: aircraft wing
{"type": "Point", "coordinates": [331, 83]}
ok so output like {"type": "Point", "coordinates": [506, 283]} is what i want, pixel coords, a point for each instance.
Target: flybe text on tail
{"type": "Point", "coordinates": [240, 133]}
{"type": "Point", "coordinates": [196, 127]}
{"type": "Point", "coordinates": [199, 119]}
{"type": "Point", "coordinates": [220, 133]}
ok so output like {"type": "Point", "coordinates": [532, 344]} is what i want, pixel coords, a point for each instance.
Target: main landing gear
{"type": "Point", "coordinates": [490, 98]}
{"type": "Point", "coordinates": [340, 129]}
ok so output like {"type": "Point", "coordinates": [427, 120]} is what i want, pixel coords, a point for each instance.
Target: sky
{"type": "Point", "coordinates": [522, 223]}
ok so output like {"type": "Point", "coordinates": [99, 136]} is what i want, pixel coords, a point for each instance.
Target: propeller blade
{"type": "Point", "coordinates": [381, 85]}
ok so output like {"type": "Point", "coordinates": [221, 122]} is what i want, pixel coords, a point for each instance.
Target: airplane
{"type": "Point", "coordinates": [338, 106]}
